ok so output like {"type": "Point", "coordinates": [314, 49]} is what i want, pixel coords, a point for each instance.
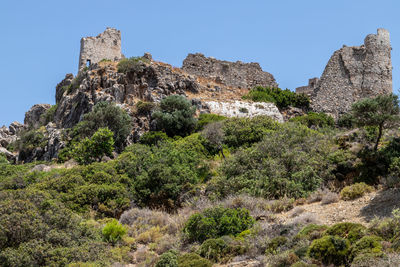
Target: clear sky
{"type": "Point", "coordinates": [293, 40]}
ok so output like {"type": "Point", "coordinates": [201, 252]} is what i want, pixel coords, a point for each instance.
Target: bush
{"type": "Point", "coordinates": [345, 121]}
{"type": "Point", "coordinates": [213, 249]}
{"type": "Point", "coordinates": [175, 116]}
{"type": "Point", "coordinates": [355, 191]}
{"type": "Point", "coordinates": [132, 64]}
{"type": "Point", "coordinates": [104, 115]}
{"type": "Point", "coordinates": [207, 118]}
{"type": "Point", "coordinates": [49, 115]}
{"type": "Point", "coordinates": [274, 244]}
{"type": "Point", "coordinates": [217, 222]}
{"type": "Point", "coordinates": [350, 231]}
{"type": "Point", "coordinates": [291, 162]}
{"type": "Point", "coordinates": [114, 231]}
{"type": "Point", "coordinates": [144, 108]}
{"type": "Point", "coordinates": [330, 250]}
{"type": "Point", "coordinates": [313, 119]}
{"type": "Point", "coordinates": [312, 231]}
{"type": "Point", "coordinates": [99, 145]}
{"type": "Point", "coordinates": [168, 259]}
{"type": "Point", "coordinates": [162, 174]}
{"type": "Point", "coordinates": [393, 178]}
{"type": "Point", "coordinates": [247, 131]}
{"type": "Point", "coordinates": [193, 260]}
{"type": "Point", "coordinates": [153, 138]}
{"type": "Point", "coordinates": [282, 98]}
{"type": "Point", "coordinates": [367, 244]}
{"type": "Point", "coordinates": [29, 141]}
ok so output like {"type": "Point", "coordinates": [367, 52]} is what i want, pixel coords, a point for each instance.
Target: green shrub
{"type": "Point", "coordinates": [162, 174]}
{"type": "Point", "coordinates": [99, 145]}
{"type": "Point", "coordinates": [291, 162]}
{"type": "Point", "coordinates": [356, 190]}
{"type": "Point", "coordinates": [345, 121]}
{"type": "Point", "coordinates": [132, 64]}
{"type": "Point", "coordinates": [114, 231]}
{"type": "Point", "coordinates": [168, 259]}
{"type": "Point", "coordinates": [29, 141]}
{"type": "Point", "coordinates": [175, 116]}
{"type": "Point", "coordinates": [217, 222]}
{"type": "Point", "coordinates": [247, 131]}
{"type": "Point", "coordinates": [207, 118]}
{"type": "Point", "coordinates": [315, 120]}
{"type": "Point", "coordinates": [273, 246]}
{"type": "Point", "coordinates": [350, 231]}
{"type": "Point", "coordinates": [243, 110]}
{"type": "Point", "coordinates": [330, 250]}
{"type": "Point", "coordinates": [153, 138]}
{"type": "Point", "coordinates": [282, 98]}
{"type": "Point", "coordinates": [104, 115]}
{"type": "Point", "coordinates": [144, 108]}
{"type": "Point", "coordinates": [213, 249]}
{"type": "Point", "coordinates": [311, 231]}
{"type": "Point", "coordinates": [3, 159]}
{"type": "Point", "coordinates": [367, 244]}
{"type": "Point", "coordinates": [193, 260]}
{"type": "Point", "coordinates": [48, 116]}
{"type": "Point", "coordinates": [393, 178]}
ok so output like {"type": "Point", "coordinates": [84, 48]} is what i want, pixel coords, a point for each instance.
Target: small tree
{"type": "Point", "coordinates": [114, 231]}
{"type": "Point", "coordinates": [381, 112]}
{"type": "Point", "coordinates": [176, 116]}
{"type": "Point", "coordinates": [214, 134]}
{"type": "Point", "coordinates": [89, 150]}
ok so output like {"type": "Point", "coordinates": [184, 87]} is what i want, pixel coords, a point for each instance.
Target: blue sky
{"type": "Point", "coordinates": [293, 40]}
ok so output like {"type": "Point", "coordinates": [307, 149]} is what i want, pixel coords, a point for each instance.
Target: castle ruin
{"type": "Point", "coordinates": [351, 74]}
{"type": "Point", "coordinates": [106, 45]}
{"type": "Point", "coordinates": [234, 74]}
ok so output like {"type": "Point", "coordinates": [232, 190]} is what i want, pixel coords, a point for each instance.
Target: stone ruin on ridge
{"type": "Point", "coordinates": [351, 74]}
{"type": "Point", "coordinates": [106, 45]}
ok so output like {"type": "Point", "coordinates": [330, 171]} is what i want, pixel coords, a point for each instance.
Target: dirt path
{"type": "Point", "coordinates": [376, 204]}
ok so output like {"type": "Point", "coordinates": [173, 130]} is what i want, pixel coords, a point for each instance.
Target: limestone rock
{"type": "Point", "coordinates": [353, 73]}
{"type": "Point", "coordinates": [32, 116]}
{"type": "Point", "coordinates": [10, 134]}
{"type": "Point", "coordinates": [244, 109]}
{"type": "Point", "coordinates": [10, 156]}
{"type": "Point", "coordinates": [235, 74]}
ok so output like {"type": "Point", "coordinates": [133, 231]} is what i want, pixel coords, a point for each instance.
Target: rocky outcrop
{"type": "Point", "coordinates": [32, 116]}
{"type": "Point", "coordinates": [234, 74]}
{"type": "Point", "coordinates": [353, 73]}
{"type": "Point", "coordinates": [10, 134]}
{"type": "Point", "coordinates": [244, 109]}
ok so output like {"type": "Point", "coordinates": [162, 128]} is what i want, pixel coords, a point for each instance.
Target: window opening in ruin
{"type": "Point", "coordinates": [88, 63]}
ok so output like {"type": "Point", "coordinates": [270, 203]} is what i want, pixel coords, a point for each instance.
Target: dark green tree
{"type": "Point", "coordinates": [175, 116]}
{"type": "Point", "coordinates": [381, 112]}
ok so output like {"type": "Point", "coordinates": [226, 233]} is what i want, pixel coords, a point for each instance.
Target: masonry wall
{"type": "Point", "coordinates": [234, 74]}
{"type": "Point", "coordinates": [353, 73]}
{"type": "Point", "coordinates": [106, 45]}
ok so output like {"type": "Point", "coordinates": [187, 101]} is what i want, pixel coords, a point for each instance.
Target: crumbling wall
{"type": "Point", "coordinates": [353, 73]}
{"type": "Point", "coordinates": [235, 74]}
{"type": "Point", "coordinates": [106, 45]}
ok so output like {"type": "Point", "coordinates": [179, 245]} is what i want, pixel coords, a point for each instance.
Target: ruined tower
{"type": "Point", "coordinates": [106, 45]}
{"type": "Point", "coordinates": [353, 73]}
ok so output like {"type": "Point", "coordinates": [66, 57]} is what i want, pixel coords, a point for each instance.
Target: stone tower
{"type": "Point", "coordinates": [353, 73]}
{"type": "Point", "coordinates": [106, 45]}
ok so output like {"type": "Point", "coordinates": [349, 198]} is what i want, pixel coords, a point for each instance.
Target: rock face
{"type": "Point", "coordinates": [353, 73]}
{"type": "Point", "coordinates": [32, 116]}
{"type": "Point", "coordinates": [235, 74]}
{"type": "Point", "coordinates": [106, 45]}
{"type": "Point", "coordinates": [244, 109]}
{"type": "Point", "coordinates": [10, 134]}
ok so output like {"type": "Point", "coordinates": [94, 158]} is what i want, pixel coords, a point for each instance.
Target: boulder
{"type": "Point", "coordinates": [32, 116]}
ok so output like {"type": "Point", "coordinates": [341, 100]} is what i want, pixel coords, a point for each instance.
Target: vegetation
{"type": "Point", "coordinates": [217, 222]}
{"type": "Point", "coordinates": [175, 116]}
{"type": "Point", "coordinates": [189, 195]}
{"type": "Point", "coordinates": [282, 98]}
{"type": "Point", "coordinates": [132, 64]}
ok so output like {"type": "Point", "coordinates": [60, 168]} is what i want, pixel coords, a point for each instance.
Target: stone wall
{"type": "Point", "coordinates": [235, 74]}
{"type": "Point", "coordinates": [106, 45]}
{"type": "Point", "coordinates": [353, 73]}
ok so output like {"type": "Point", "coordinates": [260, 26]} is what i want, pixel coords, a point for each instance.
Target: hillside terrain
{"type": "Point", "coordinates": [140, 163]}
